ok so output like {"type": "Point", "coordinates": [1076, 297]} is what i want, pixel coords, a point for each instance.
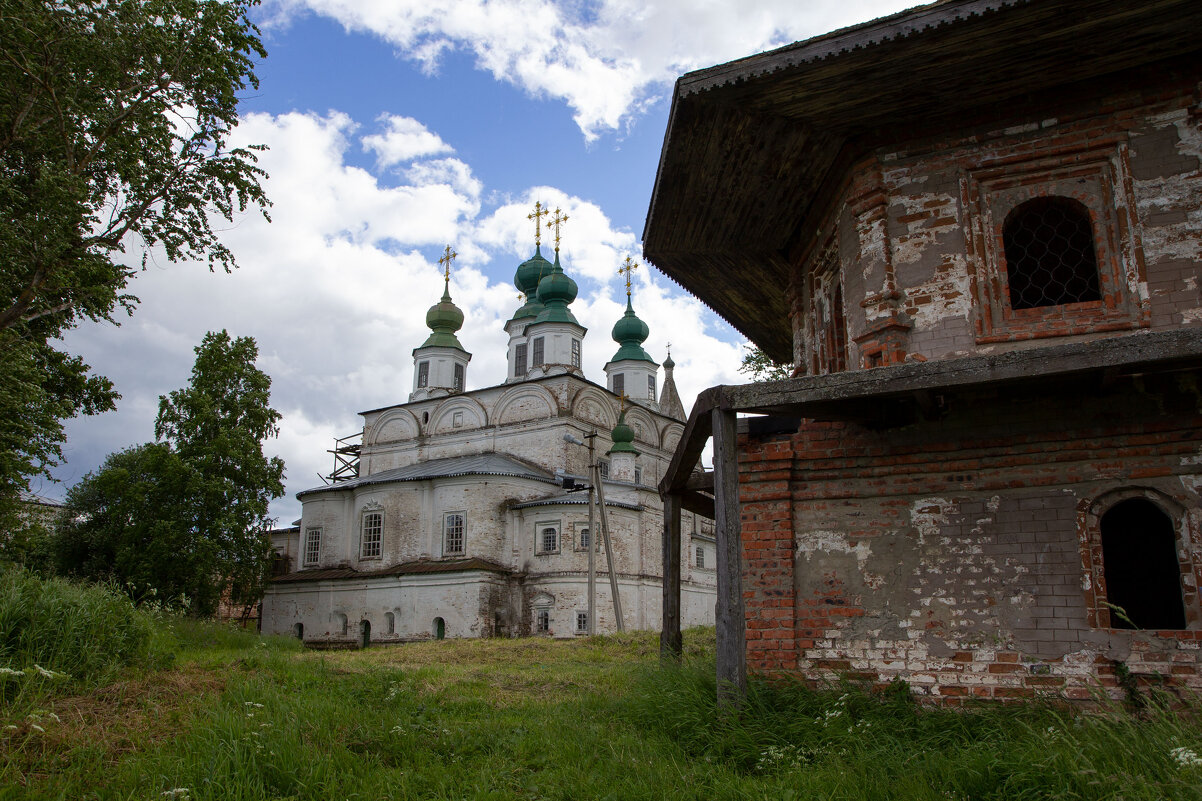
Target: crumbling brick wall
{"type": "Point", "coordinates": [960, 553]}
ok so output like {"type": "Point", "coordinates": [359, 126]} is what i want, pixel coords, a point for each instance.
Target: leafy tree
{"type": "Point", "coordinates": [761, 367]}
{"type": "Point", "coordinates": [114, 121]}
{"type": "Point", "coordinates": [131, 523]}
{"type": "Point", "coordinates": [187, 514]}
{"type": "Point", "coordinates": [217, 425]}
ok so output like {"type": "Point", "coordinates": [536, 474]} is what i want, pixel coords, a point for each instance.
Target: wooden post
{"type": "Point", "coordinates": [669, 637]}
{"type": "Point", "coordinates": [732, 635]}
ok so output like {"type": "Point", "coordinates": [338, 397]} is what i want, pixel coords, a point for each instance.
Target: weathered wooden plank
{"type": "Point", "coordinates": [732, 655]}
{"type": "Point", "coordinates": [670, 642]}
{"type": "Point", "coordinates": [692, 442]}
{"type": "Point", "coordinates": [1145, 352]}
{"type": "Point", "coordinates": [697, 503]}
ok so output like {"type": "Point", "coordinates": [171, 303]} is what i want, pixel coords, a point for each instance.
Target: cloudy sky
{"type": "Point", "coordinates": [397, 127]}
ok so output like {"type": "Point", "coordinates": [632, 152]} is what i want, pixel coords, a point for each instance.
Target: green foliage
{"type": "Point", "coordinates": [61, 636]}
{"type": "Point", "coordinates": [187, 517]}
{"type": "Point", "coordinates": [590, 718]}
{"type": "Point", "coordinates": [114, 121]}
{"type": "Point", "coordinates": [760, 366]}
{"type": "Point", "coordinates": [217, 426]}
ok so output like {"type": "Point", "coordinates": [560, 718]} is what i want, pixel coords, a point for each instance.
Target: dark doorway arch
{"type": "Point", "coordinates": [298, 631]}
{"type": "Point", "coordinates": [364, 633]}
{"type": "Point", "coordinates": [440, 628]}
{"type": "Point", "coordinates": [1143, 575]}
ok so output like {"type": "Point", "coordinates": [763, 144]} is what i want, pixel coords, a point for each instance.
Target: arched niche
{"type": "Point", "coordinates": [457, 414]}
{"type": "Point", "coordinates": [671, 436]}
{"type": "Point", "coordinates": [393, 425]}
{"type": "Point", "coordinates": [595, 407]}
{"type": "Point", "coordinates": [644, 426]}
{"type": "Point", "coordinates": [522, 403]}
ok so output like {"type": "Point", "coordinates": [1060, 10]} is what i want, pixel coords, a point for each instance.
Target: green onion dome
{"type": "Point", "coordinates": [527, 278]}
{"type": "Point", "coordinates": [622, 436]}
{"type": "Point", "coordinates": [630, 332]}
{"type": "Point", "coordinates": [444, 319]}
{"type": "Point", "coordinates": [555, 291]}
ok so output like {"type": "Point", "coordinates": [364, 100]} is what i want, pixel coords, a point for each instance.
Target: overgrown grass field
{"type": "Point", "coordinates": [236, 716]}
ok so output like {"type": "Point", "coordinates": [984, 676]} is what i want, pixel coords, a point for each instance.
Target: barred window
{"type": "Point", "coordinates": [584, 537]}
{"type": "Point", "coordinates": [312, 546]}
{"type": "Point", "coordinates": [542, 621]}
{"type": "Point", "coordinates": [619, 384]}
{"type": "Point", "coordinates": [651, 387]}
{"type": "Point", "coordinates": [459, 374]}
{"type": "Point", "coordinates": [1050, 255]}
{"type": "Point", "coordinates": [581, 622]}
{"type": "Point", "coordinates": [519, 360]}
{"type": "Point", "coordinates": [548, 539]}
{"type": "Point", "coordinates": [423, 374]}
{"type": "Point", "coordinates": [700, 556]}
{"type": "Point", "coordinates": [536, 359]}
{"type": "Point", "coordinates": [452, 533]}
{"type": "Point", "coordinates": [603, 465]}
{"type": "Point", "coordinates": [372, 534]}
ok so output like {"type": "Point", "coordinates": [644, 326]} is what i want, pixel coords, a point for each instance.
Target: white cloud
{"type": "Point", "coordinates": [336, 288]}
{"type": "Point", "coordinates": [605, 59]}
{"type": "Point", "coordinates": [404, 139]}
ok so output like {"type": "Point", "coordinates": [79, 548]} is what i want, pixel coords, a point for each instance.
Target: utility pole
{"type": "Point", "coordinates": [592, 541]}
{"type": "Point", "coordinates": [609, 553]}
{"type": "Point", "coordinates": [596, 487]}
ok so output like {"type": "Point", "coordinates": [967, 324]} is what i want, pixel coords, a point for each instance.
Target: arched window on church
{"type": "Point", "coordinates": [1050, 255]}
{"type": "Point", "coordinates": [1143, 575]}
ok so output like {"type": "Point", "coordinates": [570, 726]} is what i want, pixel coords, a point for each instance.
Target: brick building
{"type": "Point", "coordinates": [975, 227]}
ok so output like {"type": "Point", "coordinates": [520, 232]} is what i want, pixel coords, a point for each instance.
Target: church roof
{"type": "Point", "coordinates": [754, 148]}
{"type": "Point", "coordinates": [580, 498]}
{"type": "Point", "coordinates": [405, 568]}
{"type": "Point", "coordinates": [483, 464]}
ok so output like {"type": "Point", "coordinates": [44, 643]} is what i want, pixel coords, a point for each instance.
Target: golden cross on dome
{"type": "Point", "coordinates": [622, 401]}
{"type": "Point", "coordinates": [447, 257]}
{"type": "Point", "coordinates": [627, 268]}
{"type": "Point", "coordinates": [557, 219]}
{"type": "Point", "coordinates": [539, 212]}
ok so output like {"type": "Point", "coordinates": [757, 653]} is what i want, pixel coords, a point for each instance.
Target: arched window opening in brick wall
{"type": "Point", "coordinates": [1143, 574]}
{"type": "Point", "coordinates": [1051, 258]}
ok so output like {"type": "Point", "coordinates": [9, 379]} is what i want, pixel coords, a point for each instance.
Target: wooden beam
{"type": "Point", "coordinates": [700, 482]}
{"type": "Point", "coordinates": [692, 442]}
{"type": "Point", "coordinates": [731, 625]}
{"type": "Point", "coordinates": [698, 503]}
{"type": "Point", "coordinates": [670, 642]}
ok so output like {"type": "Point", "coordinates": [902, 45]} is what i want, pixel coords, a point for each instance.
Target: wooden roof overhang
{"type": "Point", "coordinates": [752, 146]}
{"type": "Point", "coordinates": [904, 393]}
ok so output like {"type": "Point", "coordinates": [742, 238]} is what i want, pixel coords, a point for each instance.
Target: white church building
{"type": "Point", "coordinates": [450, 518]}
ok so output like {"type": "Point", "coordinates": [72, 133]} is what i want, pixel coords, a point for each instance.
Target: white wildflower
{"type": "Point", "coordinates": [4, 671]}
{"type": "Point", "coordinates": [1186, 757]}
{"type": "Point", "coordinates": [176, 792]}
{"type": "Point", "coordinates": [36, 727]}
{"type": "Point", "coordinates": [49, 674]}
{"type": "Point", "coordinates": [55, 718]}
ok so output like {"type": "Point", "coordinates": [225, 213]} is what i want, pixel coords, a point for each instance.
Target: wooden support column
{"type": "Point", "coordinates": [669, 638]}
{"type": "Point", "coordinates": [732, 635]}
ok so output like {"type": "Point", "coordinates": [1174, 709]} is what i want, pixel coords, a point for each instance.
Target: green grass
{"type": "Point", "coordinates": [57, 636]}
{"type": "Point", "coordinates": [243, 717]}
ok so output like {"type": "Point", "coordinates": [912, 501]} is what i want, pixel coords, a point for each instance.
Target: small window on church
{"type": "Point", "coordinates": [575, 352]}
{"type": "Point", "coordinates": [619, 384]}
{"type": "Point", "coordinates": [452, 534]}
{"type": "Point", "coordinates": [390, 623]}
{"type": "Point", "coordinates": [548, 538]}
{"type": "Point", "coordinates": [542, 621]}
{"type": "Point", "coordinates": [638, 475]}
{"type": "Point", "coordinates": [1143, 576]}
{"type": "Point", "coordinates": [650, 387]}
{"type": "Point", "coordinates": [312, 546]}
{"type": "Point", "coordinates": [372, 535]}
{"type": "Point", "coordinates": [423, 374]}
{"type": "Point", "coordinates": [603, 465]}
{"type": "Point", "coordinates": [581, 622]}
{"type": "Point", "coordinates": [700, 556]}
{"type": "Point", "coordinates": [582, 539]}
{"type": "Point", "coordinates": [459, 378]}
{"type": "Point", "coordinates": [536, 359]}
{"type": "Point", "coordinates": [519, 360]}
{"type": "Point", "coordinates": [1050, 255]}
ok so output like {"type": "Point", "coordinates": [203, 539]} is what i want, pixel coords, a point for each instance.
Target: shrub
{"type": "Point", "coordinates": [56, 634]}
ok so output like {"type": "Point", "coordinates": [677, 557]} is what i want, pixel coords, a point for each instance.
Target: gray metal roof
{"type": "Point", "coordinates": [483, 464]}
{"type": "Point", "coordinates": [574, 498]}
